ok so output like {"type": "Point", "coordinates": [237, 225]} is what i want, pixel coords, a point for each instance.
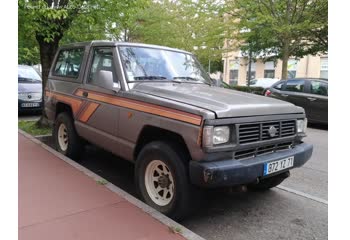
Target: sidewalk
{"type": "Point", "coordinates": [57, 201]}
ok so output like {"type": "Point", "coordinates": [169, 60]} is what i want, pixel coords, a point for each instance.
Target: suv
{"type": "Point", "coordinates": [157, 107]}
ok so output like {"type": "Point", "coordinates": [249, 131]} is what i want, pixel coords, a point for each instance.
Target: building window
{"type": "Point", "coordinates": [292, 68]}
{"type": "Point", "coordinates": [324, 68]}
{"type": "Point", "coordinates": [233, 74]}
{"type": "Point", "coordinates": [269, 70]}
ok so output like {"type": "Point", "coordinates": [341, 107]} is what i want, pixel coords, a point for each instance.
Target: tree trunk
{"type": "Point", "coordinates": [47, 54]}
{"type": "Point", "coordinates": [285, 58]}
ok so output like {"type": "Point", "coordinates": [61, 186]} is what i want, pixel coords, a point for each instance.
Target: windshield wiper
{"type": "Point", "coordinates": [191, 80]}
{"type": "Point", "coordinates": [149, 78]}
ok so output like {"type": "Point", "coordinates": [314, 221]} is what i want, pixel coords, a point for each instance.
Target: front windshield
{"type": "Point", "coordinates": [150, 64]}
{"type": "Point", "coordinates": [28, 75]}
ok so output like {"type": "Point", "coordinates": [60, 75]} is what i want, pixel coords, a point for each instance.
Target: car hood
{"type": "Point", "coordinates": [223, 102]}
{"type": "Point", "coordinates": [29, 87]}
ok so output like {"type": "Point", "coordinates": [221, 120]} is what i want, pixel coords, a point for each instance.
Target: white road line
{"type": "Point", "coordinates": [305, 195]}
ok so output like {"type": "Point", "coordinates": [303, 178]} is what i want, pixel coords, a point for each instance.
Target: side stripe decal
{"type": "Point", "coordinates": [144, 107]}
{"type": "Point", "coordinates": [88, 111]}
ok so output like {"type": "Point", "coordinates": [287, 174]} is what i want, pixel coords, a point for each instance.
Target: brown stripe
{"type": "Point", "coordinates": [88, 111]}
{"type": "Point", "coordinates": [144, 107]}
{"type": "Point", "coordinates": [72, 101]}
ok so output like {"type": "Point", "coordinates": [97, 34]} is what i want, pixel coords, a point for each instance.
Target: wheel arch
{"type": "Point", "coordinates": [151, 133]}
{"type": "Point", "coordinates": [63, 107]}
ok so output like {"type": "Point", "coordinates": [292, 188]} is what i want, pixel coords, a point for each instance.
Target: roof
{"type": "Point", "coordinates": [115, 43]}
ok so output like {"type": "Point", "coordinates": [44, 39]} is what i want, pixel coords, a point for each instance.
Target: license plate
{"type": "Point", "coordinates": [278, 165]}
{"type": "Point", "coordinates": [30, 105]}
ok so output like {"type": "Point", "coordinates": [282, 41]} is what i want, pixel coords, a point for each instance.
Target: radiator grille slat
{"type": "Point", "coordinates": [254, 132]}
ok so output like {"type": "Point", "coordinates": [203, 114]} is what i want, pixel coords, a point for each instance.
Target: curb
{"type": "Point", "coordinates": [186, 233]}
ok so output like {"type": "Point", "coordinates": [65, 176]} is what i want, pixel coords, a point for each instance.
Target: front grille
{"type": "Point", "coordinates": [253, 152]}
{"type": "Point", "coordinates": [254, 132]}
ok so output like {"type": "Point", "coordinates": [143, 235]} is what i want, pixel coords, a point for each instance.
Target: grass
{"type": "Point", "coordinates": [175, 230]}
{"type": "Point", "coordinates": [102, 182]}
{"type": "Point", "coordinates": [33, 129]}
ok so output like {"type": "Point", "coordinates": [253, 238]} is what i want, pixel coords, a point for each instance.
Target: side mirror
{"type": "Point", "coordinates": [105, 80]}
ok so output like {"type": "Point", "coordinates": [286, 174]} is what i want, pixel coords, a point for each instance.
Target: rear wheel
{"type": "Point", "coordinates": [162, 179]}
{"type": "Point", "coordinates": [66, 138]}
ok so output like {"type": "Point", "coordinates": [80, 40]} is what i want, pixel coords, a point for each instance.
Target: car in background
{"type": "Point", "coordinates": [29, 89]}
{"type": "Point", "coordinates": [263, 82]}
{"type": "Point", "coordinates": [309, 93]}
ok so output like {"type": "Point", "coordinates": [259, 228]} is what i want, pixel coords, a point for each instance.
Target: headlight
{"type": "Point", "coordinates": [301, 125]}
{"type": "Point", "coordinates": [215, 135]}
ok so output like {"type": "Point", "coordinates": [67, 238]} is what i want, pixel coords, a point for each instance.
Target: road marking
{"type": "Point", "coordinates": [305, 195]}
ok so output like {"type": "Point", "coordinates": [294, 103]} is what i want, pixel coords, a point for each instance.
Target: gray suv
{"type": "Point", "coordinates": [156, 107]}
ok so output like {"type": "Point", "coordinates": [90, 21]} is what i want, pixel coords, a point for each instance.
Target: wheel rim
{"type": "Point", "coordinates": [159, 182]}
{"type": "Point", "coordinates": [63, 137]}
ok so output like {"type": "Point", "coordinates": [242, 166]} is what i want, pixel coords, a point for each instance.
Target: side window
{"type": "Point", "coordinates": [102, 60]}
{"type": "Point", "coordinates": [68, 62]}
{"type": "Point", "coordinates": [295, 85]}
{"type": "Point", "coordinates": [279, 86]}
{"type": "Point", "coordinates": [319, 88]}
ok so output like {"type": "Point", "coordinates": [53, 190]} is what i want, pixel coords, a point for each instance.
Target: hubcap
{"type": "Point", "coordinates": [63, 137]}
{"type": "Point", "coordinates": [159, 183]}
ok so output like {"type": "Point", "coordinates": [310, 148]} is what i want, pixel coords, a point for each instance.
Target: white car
{"type": "Point", "coordinates": [263, 82]}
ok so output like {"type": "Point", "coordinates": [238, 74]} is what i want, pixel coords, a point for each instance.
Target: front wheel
{"type": "Point", "coordinates": [162, 179]}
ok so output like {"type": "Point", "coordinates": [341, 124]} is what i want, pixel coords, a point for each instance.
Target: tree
{"type": "Point", "coordinates": [49, 21]}
{"type": "Point", "coordinates": [195, 26]}
{"type": "Point", "coordinates": [279, 29]}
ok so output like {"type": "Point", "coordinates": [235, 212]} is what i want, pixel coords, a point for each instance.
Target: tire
{"type": "Point", "coordinates": [176, 203]}
{"type": "Point", "coordinates": [64, 126]}
{"type": "Point", "coordinates": [268, 183]}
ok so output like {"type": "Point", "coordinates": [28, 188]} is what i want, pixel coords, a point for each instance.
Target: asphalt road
{"type": "Point", "coordinates": [296, 210]}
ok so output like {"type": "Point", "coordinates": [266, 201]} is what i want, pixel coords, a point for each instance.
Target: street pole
{"type": "Point", "coordinates": [209, 67]}
{"type": "Point", "coordinates": [250, 66]}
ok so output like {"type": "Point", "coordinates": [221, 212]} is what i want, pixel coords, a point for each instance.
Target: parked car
{"type": "Point", "coordinates": [29, 89]}
{"type": "Point", "coordinates": [157, 107]}
{"type": "Point", "coordinates": [309, 93]}
{"type": "Point", "coordinates": [263, 82]}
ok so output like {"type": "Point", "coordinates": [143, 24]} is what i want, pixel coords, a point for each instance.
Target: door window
{"type": "Point", "coordinates": [68, 63]}
{"type": "Point", "coordinates": [102, 61]}
{"type": "Point", "coordinates": [319, 88]}
{"type": "Point", "coordinates": [295, 85]}
{"type": "Point", "coordinates": [279, 86]}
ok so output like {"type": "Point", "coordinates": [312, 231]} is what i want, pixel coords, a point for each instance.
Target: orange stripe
{"type": "Point", "coordinates": [73, 102]}
{"type": "Point", "coordinates": [144, 107]}
{"type": "Point", "coordinates": [88, 111]}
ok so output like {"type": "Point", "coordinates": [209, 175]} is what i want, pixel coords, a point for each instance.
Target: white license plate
{"type": "Point", "coordinates": [278, 165]}
{"type": "Point", "coordinates": [30, 105]}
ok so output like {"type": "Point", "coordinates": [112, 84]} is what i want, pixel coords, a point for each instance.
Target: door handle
{"type": "Point", "coordinates": [85, 94]}
{"type": "Point", "coordinates": [311, 99]}
{"type": "Point", "coordinates": [284, 95]}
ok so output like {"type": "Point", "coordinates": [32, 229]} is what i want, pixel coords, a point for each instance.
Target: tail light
{"type": "Point", "coordinates": [267, 93]}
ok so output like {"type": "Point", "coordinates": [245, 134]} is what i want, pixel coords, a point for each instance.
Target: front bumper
{"type": "Point", "coordinates": [29, 109]}
{"type": "Point", "coordinates": [232, 172]}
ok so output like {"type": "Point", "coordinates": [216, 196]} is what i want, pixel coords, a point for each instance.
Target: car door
{"type": "Point", "coordinates": [294, 92]}
{"type": "Point", "coordinates": [277, 90]}
{"type": "Point", "coordinates": [99, 117]}
{"type": "Point", "coordinates": [318, 101]}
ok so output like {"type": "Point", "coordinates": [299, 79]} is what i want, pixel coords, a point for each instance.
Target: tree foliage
{"type": "Point", "coordinates": [195, 26]}
{"type": "Point", "coordinates": [279, 29]}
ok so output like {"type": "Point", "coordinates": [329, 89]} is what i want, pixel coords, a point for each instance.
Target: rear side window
{"type": "Point", "coordinates": [319, 88]}
{"type": "Point", "coordinates": [295, 85]}
{"type": "Point", "coordinates": [68, 62]}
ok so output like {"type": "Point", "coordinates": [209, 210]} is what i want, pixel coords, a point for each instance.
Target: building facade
{"type": "Point", "coordinates": [236, 68]}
